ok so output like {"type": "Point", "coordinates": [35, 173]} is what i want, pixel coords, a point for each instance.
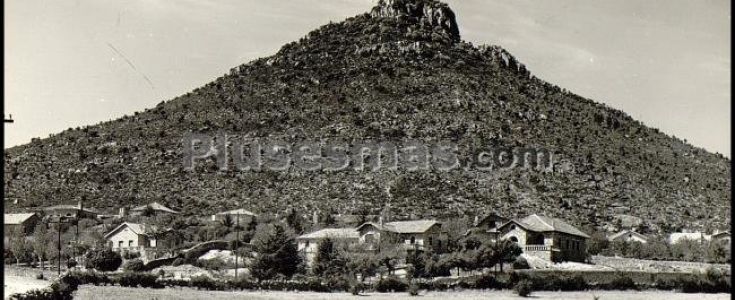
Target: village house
{"type": "Point", "coordinates": [486, 229]}
{"type": "Point", "coordinates": [679, 237]}
{"type": "Point", "coordinates": [628, 236]}
{"type": "Point", "coordinates": [308, 244]}
{"type": "Point", "coordinates": [155, 207]}
{"type": "Point", "coordinates": [133, 238]}
{"type": "Point", "coordinates": [412, 235]}
{"type": "Point", "coordinates": [70, 211]}
{"type": "Point", "coordinates": [24, 223]}
{"type": "Point", "coordinates": [547, 238]}
{"type": "Point", "coordinates": [237, 215]}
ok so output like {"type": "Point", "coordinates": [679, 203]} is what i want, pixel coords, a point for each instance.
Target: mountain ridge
{"type": "Point", "coordinates": [386, 74]}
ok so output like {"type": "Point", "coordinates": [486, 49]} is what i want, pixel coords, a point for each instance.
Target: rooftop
{"type": "Point", "coordinates": [17, 219]}
{"type": "Point", "coordinates": [546, 224]}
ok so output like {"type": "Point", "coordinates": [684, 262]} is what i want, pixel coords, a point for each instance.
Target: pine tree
{"type": "Point", "coordinates": [329, 260]}
{"type": "Point", "coordinates": [277, 253]}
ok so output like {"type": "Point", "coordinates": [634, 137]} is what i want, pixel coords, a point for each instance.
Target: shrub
{"type": "Point", "coordinates": [523, 288]}
{"type": "Point", "coordinates": [622, 282]}
{"type": "Point", "coordinates": [135, 279]}
{"type": "Point", "coordinates": [39, 276]}
{"type": "Point", "coordinates": [204, 282]}
{"type": "Point", "coordinates": [521, 264]}
{"type": "Point", "coordinates": [211, 264]}
{"type": "Point", "coordinates": [413, 289]}
{"type": "Point", "coordinates": [391, 284]}
{"type": "Point", "coordinates": [177, 262]}
{"type": "Point", "coordinates": [103, 260]}
{"type": "Point", "coordinates": [487, 282]}
{"type": "Point", "coordinates": [357, 288]}
{"type": "Point", "coordinates": [135, 265]}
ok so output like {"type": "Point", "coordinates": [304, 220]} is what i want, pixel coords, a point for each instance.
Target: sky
{"type": "Point", "coordinates": [72, 63]}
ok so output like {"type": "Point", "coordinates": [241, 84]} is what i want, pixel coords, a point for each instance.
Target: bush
{"type": "Point", "coordinates": [390, 285]}
{"type": "Point", "coordinates": [177, 262]}
{"type": "Point", "coordinates": [39, 276]}
{"type": "Point", "coordinates": [135, 279]}
{"type": "Point", "coordinates": [103, 260]}
{"type": "Point", "coordinates": [357, 288]}
{"type": "Point", "coordinates": [204, 282]}
{"type": "Point", "coordinates": [487, 282]}
{"type": "Point", "coordinates": [135, 265]}
{"type": "Point", "coordinates": [622, 282]}
{"type": "Point", "coordinates": [211, 264]}
{"type": "Point", "coordinates": [523, 288]}
{"type": "Point", "coordinates": [521, 264]}
{"type": "Point", "coordinates": [413, 289]}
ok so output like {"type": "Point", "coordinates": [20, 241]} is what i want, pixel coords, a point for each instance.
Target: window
{"type": "Point", "coordinates": [413, 240]}
{"type": "Point", "coordinates": [130, 244]}
{"type": "Point", "coordinates": [431, 241]}
{"type": "Point", "coordinates": [120, 244]}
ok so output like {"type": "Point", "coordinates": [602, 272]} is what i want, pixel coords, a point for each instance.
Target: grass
{"type": "Point", "coordinates": [118, 293]}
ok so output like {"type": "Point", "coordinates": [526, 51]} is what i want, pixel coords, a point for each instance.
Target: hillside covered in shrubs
{"type": "Point", "coordinates": [398, 72]}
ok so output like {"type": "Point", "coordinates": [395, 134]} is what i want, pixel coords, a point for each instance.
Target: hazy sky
{"type": "Point", "coordinates": [78, 62]}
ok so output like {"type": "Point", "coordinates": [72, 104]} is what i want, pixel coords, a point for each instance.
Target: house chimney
{"type": "Point", "coordinates": [477, 221]}
{"type": "Point", "coordinates": [80, 205]}
{"type": "Point", "coordinates": [315, 218]}
{"type": "Point", "coordinates": [123, 212]}
{"type": "Point", "coordinates": [380, 221]}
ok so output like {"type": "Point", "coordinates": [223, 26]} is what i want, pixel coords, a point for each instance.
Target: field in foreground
{"type": "Point", "coordinates": [20, 284]}
{"type": "Point", "coordinates": [114, 293]}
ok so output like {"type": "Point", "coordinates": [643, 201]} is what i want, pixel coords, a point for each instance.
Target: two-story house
{"type": "Point", "coordinates": [308, 244]}
{"type": "Point", "coordinates": [548, 238]}
{"type": "Point", "coordinates": [411, 235]}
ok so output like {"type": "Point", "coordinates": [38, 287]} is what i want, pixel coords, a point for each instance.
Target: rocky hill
{"type": "Point", "coordinates": [400, 71]}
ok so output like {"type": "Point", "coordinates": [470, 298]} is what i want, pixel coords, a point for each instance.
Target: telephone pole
{"type": "Point", "coordinates": [58, 231]}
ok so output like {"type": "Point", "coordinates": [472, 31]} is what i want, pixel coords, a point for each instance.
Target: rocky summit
{"type": "Point", "coordinates": [397, 72]}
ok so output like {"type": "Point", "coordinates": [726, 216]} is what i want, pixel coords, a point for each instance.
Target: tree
{"type": "Point", "coordinates": [148, 211]}
{"type": "Point", "coordinates": [103, 260]}
{"type": "Point", "coordinates": [19, 246]}
{"type": "Point", "coordinates": [41, 242]}
{"type": "Point", "coordinates": [294, 221]}
{"type": "Point", "coordinates": [329, 260]}
{"type": "Point", "coordinates": [364, 264]}
{"type": "Point", "coordinates": [277, 253]}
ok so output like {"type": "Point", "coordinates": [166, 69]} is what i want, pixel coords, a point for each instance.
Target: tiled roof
{"type": "Point", "coordinates": [17, 219]}
{"type": "Point", "coordinates": [71, 207]}
{"type": "Point", "coordinates": [241, 212]}
{"type": "Point", "coordinates": [332, 233]}
{"type": "Point", "coordinates": [157, 207]}
{"type": "Point", "coordinates": [545, 224]}
{"type": "Point", "coordinates": [624, 232]}
{"type": "Point", "coordinates": [420, 226]}
{"type": "Point", "coordinates": [136, 228]}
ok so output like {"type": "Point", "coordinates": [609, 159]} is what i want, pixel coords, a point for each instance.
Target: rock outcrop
{"type": "Point", "coordinates": [428, 13]}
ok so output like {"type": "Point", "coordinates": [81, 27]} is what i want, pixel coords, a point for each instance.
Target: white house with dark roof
{"type": "Point", "coordinates": [628, 236]}
{"type": "Point", "coordinates": [133, 238]}
{"type": "Point", "coordinates": [308, 244]}
{"type": "Point", "coordinates": [548, 238]}
{"type": "Point", "coordinates": [413, 235]}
